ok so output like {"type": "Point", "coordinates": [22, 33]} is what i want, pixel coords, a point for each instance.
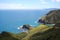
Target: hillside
{"type": "Point", "coordinates": [52, 17]}
{"type": "Point", "coordinates": [46, 33]}
{"type": "Point", "coordinates": [10, 36]}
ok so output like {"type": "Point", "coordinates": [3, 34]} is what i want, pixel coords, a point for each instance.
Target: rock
{"type": "Point", "coordinates": [52, 17]}
{"type": "Point", "coordinates": [27, 27]}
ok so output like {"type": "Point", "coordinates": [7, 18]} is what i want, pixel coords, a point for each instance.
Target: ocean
{"type": "Point", "coordinates": [10, 20]}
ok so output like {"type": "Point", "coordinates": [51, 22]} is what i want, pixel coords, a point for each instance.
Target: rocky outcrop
{"type": "Point", "coordinates": [52, 17]}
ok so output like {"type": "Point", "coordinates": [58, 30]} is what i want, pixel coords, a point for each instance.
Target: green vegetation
{"type": "Point", "coordinates": [39, 29]}
{"type": "Point", "coordinates": [7, 36]}
{"type": "Point", "coordinates": [53, 17]}
{"type": "Point", "coordinates": [10, 36]}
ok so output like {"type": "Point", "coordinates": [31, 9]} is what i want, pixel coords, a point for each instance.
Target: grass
{"type": "Point", "coordinates": [39, 28]}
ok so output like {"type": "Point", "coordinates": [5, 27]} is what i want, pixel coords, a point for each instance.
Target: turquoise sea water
{"type": "Point", "coordinates": [10, 20]}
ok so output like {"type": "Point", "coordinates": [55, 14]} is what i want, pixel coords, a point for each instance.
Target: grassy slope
{"type": "Point", "coordinates": [21, 35]}
{"type": "Point", "coordinates": [51, 34]}
{"type": "Point", "coordinates": [11, 36]}
{"type": "Point", "coordinates": [39, 28]}
{"type": "Point", "coordinates": [8, 36]}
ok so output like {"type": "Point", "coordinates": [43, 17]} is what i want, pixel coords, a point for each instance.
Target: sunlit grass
{"type": "Point", "coordinates": [39, 28]}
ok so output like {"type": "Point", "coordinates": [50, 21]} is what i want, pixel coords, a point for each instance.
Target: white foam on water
{"type": "Point", "coordinates": [20, 27]}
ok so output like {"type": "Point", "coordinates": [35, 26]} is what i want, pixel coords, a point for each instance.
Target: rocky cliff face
{"type": "Point", "coordinates": [52, 17]}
